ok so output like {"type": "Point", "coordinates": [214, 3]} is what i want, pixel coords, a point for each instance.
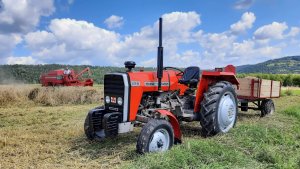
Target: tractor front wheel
{"type": "Point", "coordinates": [156, 136]}
{"type": "Point", "coordinates": [90, 133]}
{"type": "Point", "coordinates": [218, 109]}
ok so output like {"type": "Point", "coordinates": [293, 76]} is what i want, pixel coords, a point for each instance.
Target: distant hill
{"type": "Point", "coordinates": [285, 65]}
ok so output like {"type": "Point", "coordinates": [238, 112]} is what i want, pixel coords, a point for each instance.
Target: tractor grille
{"type": "Point", "coordinates": [114, 88]}
{"type": "Point", "coordinates": [96, 120]}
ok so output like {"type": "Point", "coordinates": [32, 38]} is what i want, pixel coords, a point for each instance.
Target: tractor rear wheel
{"type": "Point", "coordinates": [267, 107]}
{"type": "Point", "coordinates": [156, 136]}
{"type": "Point", "coordinates": [218, 109]}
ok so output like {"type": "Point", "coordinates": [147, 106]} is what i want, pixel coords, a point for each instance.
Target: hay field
{"type": "Point", "coordinates": [49, 134]}
{"type": "Point", "coordinates": [16, 95]}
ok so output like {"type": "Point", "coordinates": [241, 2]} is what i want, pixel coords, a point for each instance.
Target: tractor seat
{"type": "Point", "coordinates": [190, 76]}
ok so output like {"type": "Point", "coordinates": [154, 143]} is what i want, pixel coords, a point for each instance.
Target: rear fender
{"type": "Point", "coordinates": [208, 78]}
{"type": "Point", "coordinates": [174, 122]}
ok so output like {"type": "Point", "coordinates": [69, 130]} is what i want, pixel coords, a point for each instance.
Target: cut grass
{"type": "Point", "coordinates": [35, 136]}
{"type": "Point", "coordinates": [16, 95]}
{"type": "Point", "coordinates": [288, 91]}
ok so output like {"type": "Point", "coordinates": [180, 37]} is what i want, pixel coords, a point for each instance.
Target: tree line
{"type": "Point", "coordinates": [31, 73]}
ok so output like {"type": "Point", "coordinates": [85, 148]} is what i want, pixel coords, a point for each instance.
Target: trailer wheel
{"type": "Point", "coordinates": [267, 107]}
{"type": "Point", "coordinates": [218, 109]}
{"type": "Point", "coordinates": [156, 136]}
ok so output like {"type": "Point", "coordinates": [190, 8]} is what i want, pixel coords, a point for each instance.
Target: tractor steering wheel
{"type": "Point", "coordinates": [174, 68]}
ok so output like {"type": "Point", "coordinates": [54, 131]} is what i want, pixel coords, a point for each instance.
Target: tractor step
{"type": "Point", "coordinates": [188, 115]}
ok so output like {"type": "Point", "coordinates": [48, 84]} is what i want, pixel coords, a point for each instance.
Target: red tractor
{"type": "Point", "coordinates": [161, 100]}
{"type": "Point", "coordinates": [66, 77]}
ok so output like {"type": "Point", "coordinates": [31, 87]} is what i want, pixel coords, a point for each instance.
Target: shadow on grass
{"type": "Point", "coordinates": [249, 115]}
{"type": "Point", "coordinates": [122, 146]}
{"type": "Point", "coordinates": [191, 130]}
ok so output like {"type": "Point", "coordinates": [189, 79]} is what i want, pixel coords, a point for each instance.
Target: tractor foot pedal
{"type": "Point", "coordinates": [188, 114]}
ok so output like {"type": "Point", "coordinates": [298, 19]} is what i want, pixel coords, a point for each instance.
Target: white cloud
{"type": "Point", "coordinates": [243, 4]}
{"type": "Point", "coordinates": [72, 41]}
{"type": "Point", "coordinates": [114, 22]}
{"type": "Point", "coordinates": [244, 48]}
{"type": "Point", "coordinates": [249, 50]}
{"type": "Point", "coordinates": [217, 42]}
{"type": "Point", "coordinates": [21, 60]}
{"type": "Point", "coordinates": [19, 16]}
{"type": "Point", "coordinates": [271, 31]}
{"type": "Point", "coordinates": [149, 63]}
{"type": "Point", "coordinates": [246, 22]}
{"type": "Point", "coordinates": [179, 25]}
{"type": "Point", "coordinates": [81, 34]}
{"type": "Point", "coordinates": [177, 28]}
{"type": "Point", "coordinates": [7, 44]}
{"type": "Point", "coordinates": [38, 39]}
{"type": "Point", "coordinates": [186, 58]}
{"type": "Point", "coordinates": [293, 32]}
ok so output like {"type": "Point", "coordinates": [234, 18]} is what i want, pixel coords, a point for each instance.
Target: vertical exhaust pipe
{"type": "Point", "coordinates": [160, 55]}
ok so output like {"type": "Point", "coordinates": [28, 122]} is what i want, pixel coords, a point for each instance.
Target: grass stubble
{"type": "Point", "coordinates": [49, 134]}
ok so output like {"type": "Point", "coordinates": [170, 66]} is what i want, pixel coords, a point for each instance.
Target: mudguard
{"type": "Point", "coordinates": [175, 124]}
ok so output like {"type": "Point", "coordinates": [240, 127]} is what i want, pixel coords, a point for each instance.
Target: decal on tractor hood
{"type": "Point", "coordinates": [135, 83]}
{"type": "Point", "coordinates": [156, 83]}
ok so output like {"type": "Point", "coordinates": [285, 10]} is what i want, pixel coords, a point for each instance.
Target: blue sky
{"type": "Point", "coordinates": [203, 33]}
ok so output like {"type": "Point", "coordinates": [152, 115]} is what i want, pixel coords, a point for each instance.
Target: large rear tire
{"type": "Point", "coordinates": [156, 136]}
{"type": "Point", "coordinates": [218, 109]}
{"type": "Point", "coordinates": [267, 107]}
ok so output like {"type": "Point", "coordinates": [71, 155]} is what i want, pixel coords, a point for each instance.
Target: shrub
{"type": "Point", "coordinates": [288, 92]}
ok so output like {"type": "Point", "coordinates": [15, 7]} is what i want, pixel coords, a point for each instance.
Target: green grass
{"type": "Point", "coordinates": [293, 111]}
{"type": "Point", "coordinates": [270, 142]}
{"type": "Point", "coordinates": [52, 137]}
{"type": "Point", "coordinates": [288, 91]}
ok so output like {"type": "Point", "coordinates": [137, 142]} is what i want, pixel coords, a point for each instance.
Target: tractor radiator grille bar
{"type": "Point", "coordinates": [117, 85]}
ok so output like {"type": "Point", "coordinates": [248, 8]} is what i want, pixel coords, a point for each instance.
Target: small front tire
{"type": "Point", "coordinates": [156, 136]}
{"type": "Point", "coordinates": [89, 132]}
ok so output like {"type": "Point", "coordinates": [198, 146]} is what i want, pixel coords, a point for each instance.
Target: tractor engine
{"type": "Point", "coordinates": [180, 105]}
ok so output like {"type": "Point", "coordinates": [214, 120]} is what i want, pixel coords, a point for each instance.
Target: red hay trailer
{"type": "Point", "coordinates": [259, 92]}
{"type": "Point", "coordinates": [58, 78]}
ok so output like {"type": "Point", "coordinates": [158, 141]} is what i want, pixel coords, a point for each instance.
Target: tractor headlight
{"type": "Point", "coordinates": [120, 101]}
{"type": "Point", "coordinates": [107, 99]}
